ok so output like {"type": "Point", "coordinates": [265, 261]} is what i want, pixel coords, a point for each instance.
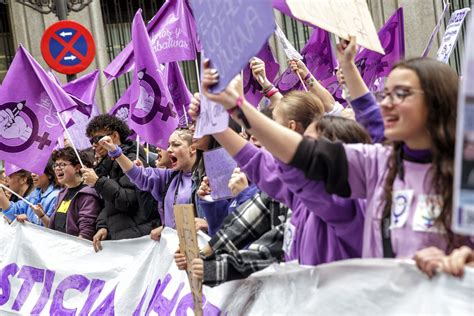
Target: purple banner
{"type": "Point", "coordinates": [232, 32]}
{"type": "Point", "coordinates": [121, 109]}
{"type": "Point", "coordinates": [152, 115]}
{"type": "Point", "coordinates": [84, 88]}
{"type": "Point", "coordinates": [173, 38]}
{"type": "Point", "coordinates": [251, 86]}
{"type": "Point", "coordinates": [29, 127]}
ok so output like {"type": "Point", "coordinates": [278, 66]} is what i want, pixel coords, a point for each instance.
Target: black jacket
{"type": "Point", "coordinates": [128, 212]}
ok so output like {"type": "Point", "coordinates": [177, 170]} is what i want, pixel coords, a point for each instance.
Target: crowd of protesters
{"type": "Point", "coordinates": [312, 183]}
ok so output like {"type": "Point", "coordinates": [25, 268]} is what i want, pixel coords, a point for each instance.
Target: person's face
{"type": "Point", "coordinates": [40, 181]}
{"type": "Point", "coordinates": [100, 151]}
{"type": "Point", "coordinates": [163, 160]}
{"type": "Point", "coordinates": [405, 112]}
{"type": "Point", "coordinates": [15, 182]}
{"type": "Point", "coordinates": [65, 172]}
{"type": "Point", "coordinates": [181, 154]}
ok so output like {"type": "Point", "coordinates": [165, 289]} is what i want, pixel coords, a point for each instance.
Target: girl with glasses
{"type": "Point", "coordinates": [407, 183]}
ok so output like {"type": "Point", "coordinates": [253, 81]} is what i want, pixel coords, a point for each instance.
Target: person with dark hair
{"type": "Point", "coordinates": [169, 186]}
{"type": "Point", "coordinates": [21, 183]}
{"type": "Point", "coordinates": [44, 197]}
{"type": "Point", "coordinates": [408, 184]}
{"type": "Point", "coordinates": [78, 205]}
{"type": "Point", "coordinates": [128, 212]}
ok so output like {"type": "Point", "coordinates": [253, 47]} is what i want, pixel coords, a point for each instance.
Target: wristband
{"type": "Point", "coordinates": [115, 153]}
{"type": "Point", "coordinates": [268, 89]}
{"type": "Point", "coordinates": [238, 104]}
{"type": "Point", "coordinates": [271, 92]}
{"type": "Point", "coordinates": [40, 217]}
{"type": "Point", "coordinates": [308, 75]}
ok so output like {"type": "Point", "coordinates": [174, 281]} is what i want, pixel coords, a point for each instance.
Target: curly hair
{"type": "Point", "coordinates": [440, 86]}
{"type": "Point", "coordinates": [110, 123]}
{"type": "Point", "coordinates": [68, 154]}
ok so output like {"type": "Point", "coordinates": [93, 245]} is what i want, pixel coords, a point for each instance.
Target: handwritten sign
{"type": "Point", "coordinates": [219, 168]}
{"type": "Point", "coordinates": [232, 32]}
{"type": "Point", "coordinates": [463, 198]}
{"type": "Point", "coordinates": [213, 118]}
{"type": "Point", "coordinates": [451, 35]}
{"type": "Point", "coordinates": [290, 51]}
{"type": "Point", "coordinates": [341, 17]}
{"type": "Point", "coordinates": [188, 244]}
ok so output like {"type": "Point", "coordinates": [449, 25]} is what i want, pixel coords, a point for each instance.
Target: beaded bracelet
{"type": "Point", "coordinates": [115, 153]}
{"type": "Point", "coordinates": [271, 92]}
{"type": "Point", "coordinates": [238, 104]}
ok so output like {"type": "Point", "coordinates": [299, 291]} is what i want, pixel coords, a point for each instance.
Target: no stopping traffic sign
{"type": "Point", "coordinates": [67, 47]}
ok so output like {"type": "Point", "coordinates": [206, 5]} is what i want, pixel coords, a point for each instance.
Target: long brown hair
{"type": "Point", "coordinates": [440, 86]}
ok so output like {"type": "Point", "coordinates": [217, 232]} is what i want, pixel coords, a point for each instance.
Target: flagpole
{"type": "Point", "coordinates": [138, 146]}
{"type": "Point", "coordinates": [197, 74]}
{"type": "Point", "coordinates": [302, 82]}
{"type": "Point", "coordinates": [19, 196]}
{"type": "Point", "coordinates": [70, 139]}
{"type": "Point", "coordinates": [147, 154]}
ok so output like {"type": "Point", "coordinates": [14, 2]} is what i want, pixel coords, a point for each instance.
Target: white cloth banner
{"type": "Point", "coordinates": [48, 273]}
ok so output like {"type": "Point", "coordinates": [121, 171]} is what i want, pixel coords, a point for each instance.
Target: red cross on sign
{"type": "Point", "coordinates": [67, 47]}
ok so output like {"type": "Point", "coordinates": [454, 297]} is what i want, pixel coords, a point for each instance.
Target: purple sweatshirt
{"type": "Point", "coordinates": [367, 113]}
{"type": "Point", "coordinates": [82, 213]}
{"type": "Point", "coordinates": [154, 180]}
{"type": "Point", "coordinates": [326, 227]}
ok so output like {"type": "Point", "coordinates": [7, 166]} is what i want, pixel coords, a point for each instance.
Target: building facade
{"type": "Point", "coordinates": [110, 23]}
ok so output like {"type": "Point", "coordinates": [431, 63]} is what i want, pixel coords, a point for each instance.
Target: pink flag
{"type": "Point", "coordinates": [173, 38]}
{"type": "Point", "coordinates": [251, 86]}
{"type": "Point", "coordinates": [152, 113]}
{"type": "Point", "coordinates": [29, 127]}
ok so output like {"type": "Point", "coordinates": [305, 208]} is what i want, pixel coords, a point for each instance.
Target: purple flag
{"type": "Point", "coordinates": [29, 128]}
{"type": "Point", "coordinates": [373, 65]}
{"type": "Point", "coordinates": [179, 92]}
{"type": "Point", "coordinates": [10, 169]}
{"type": "Point", "coordinates": [232, 32]}
{"type": "Point", "coordinates": [173, 37]}
{"type": "Point", "coordinates": [152, 114]}
{"type": "Point", "coordinates": [319, 59]}
{"type": "Point", "coordinates": [84, 89]}
{"type": "Point", "coordinates": [251, 86]}
{"type": "Point", "coordinates": [121, 109]}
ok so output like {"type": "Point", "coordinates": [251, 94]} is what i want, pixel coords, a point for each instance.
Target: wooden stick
{"type": "Point", "coordinates": [138, 146]}
{"type": "Point", "coordinates": [19, 196]}
{"type": "Point", "coordinates": [147, 154]}
{"type": "Point", "coordinates": [302, 82]}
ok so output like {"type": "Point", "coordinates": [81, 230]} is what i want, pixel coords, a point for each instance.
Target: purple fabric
{"type": "Point", "coordinates": [367, 113]}
{"type": "Point", "coordinates": [373, 65]}
{"type": "Point", "coordinates": [173, 37]}
{"type": "Point", "coordinates": [179, 92]}
{"type": "Point", "coordinates": [29, 128]}
{"type": "Point", "coordinates": [320, 59]}
{"type": "Point", "coordinates": [82, 212]}
{"type": "Point", "coordinates": [152, 112]}
{"type": "Point", "coordinates": [84, 88]}
{"type": "Point", "coordinates": [10, 168]}
{"type": "Point", "coordinates": [419, 155]}
{"type": "Point", "coordinates": [232, 32]}
{"type": "Point", "coordinates": [327, 228]}
{"type": "Point", "coordinates": [121, 109]}
{"type": "Point", "coordinates": [251, 86]}
{"type": "Point", "coordinates": [154, 180]}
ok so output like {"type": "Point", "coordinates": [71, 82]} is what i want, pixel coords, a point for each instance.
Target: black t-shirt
{"type": "Point", "coordinates": [61, 212]}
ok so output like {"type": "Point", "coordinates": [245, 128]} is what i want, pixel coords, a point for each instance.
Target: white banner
{"type": "Point", "coordinates": [48, 273]}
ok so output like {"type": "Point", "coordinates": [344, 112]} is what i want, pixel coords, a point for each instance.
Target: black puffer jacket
{"type": "Point", "coordinates": [128, 212]}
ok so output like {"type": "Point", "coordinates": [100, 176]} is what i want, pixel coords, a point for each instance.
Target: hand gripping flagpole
{"type": "Point", "coordinates": [70, 139]}
{"type": "Point", "coordinates": [14, 193]}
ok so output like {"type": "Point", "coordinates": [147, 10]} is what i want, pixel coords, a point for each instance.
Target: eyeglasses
{"type": "Point", "coordinates": [95, 139]}
{"type": "Point", "coordinates": [397, 95]}
{"type": "Point", "coordinates": [60, 165]}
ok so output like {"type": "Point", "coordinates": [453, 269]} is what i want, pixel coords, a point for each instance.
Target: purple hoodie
{"type": "Point", "coordinates": [154, 180]}
{"type": "Point", "coordinates": [326, 227]}
{"type": "Point", "coordinates": [82, 212]}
